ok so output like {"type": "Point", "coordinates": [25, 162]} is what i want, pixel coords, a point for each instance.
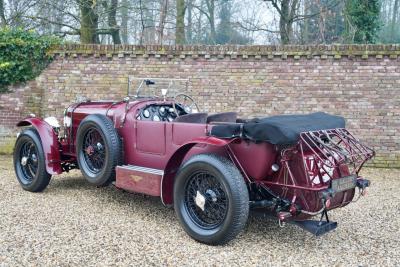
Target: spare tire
{"type": "Point", "coordinates": [98, 149]}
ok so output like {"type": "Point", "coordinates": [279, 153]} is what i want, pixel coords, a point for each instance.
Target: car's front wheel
{"type": "Point", "coordinates": [211, 199]}
{"type": "Point", "coordinates": [29, 162]}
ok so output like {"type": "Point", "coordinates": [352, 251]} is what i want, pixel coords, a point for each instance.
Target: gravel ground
{"type": "Point", "coordinates": [74, 223]}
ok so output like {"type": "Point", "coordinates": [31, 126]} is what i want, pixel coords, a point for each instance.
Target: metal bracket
{"type": "Point", "coordinates": [318, 228]}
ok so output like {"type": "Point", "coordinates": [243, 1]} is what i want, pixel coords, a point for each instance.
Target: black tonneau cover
{"type": "Point", "coordinates": [279, 130]}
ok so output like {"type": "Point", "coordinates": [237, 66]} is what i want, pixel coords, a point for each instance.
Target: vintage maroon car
{"type": "Point", "coordinates": [212, 168]}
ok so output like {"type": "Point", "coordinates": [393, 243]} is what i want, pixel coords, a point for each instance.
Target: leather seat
{"type": "Point", "coordinates": [192, 118]}
{"type": "Point", "coordinates": [222, 117]}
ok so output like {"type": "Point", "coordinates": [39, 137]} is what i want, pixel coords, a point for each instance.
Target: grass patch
{"type": "Point", "coordinates": [6, 148]}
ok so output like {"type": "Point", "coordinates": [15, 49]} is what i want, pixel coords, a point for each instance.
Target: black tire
{"type": "Point", "coordinates": [29, 161]}
{"type": "Point", "coordinates": [227, 199]}
{"type": "Point", "coordinates": [98, 149]}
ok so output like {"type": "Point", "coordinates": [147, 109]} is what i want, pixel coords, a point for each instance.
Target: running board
{"type": "Point", "coordinates": [139, 179]}
{"type": "Point", "coordinates": [317, 228]}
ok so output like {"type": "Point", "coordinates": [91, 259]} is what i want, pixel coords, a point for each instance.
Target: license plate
{"type": "Point", "coordinates": [343, 184]}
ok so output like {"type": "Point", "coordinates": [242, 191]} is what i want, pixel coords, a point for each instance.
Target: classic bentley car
{"type": "Point", "coordinates": [211, 168]}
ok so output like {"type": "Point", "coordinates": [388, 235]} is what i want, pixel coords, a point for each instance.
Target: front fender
{"type": "Point", "coordinates": [167, 183]}
{"type": "Point", "coordinates": [49, 141]}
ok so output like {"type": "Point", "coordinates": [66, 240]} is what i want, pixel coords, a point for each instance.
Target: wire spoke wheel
{"type": "Point", "coordinates": [98, 149]}
{"type": "Point", "coordinates": [29, 160]}
{"type": "Point", "coordinates": [94, 150]}
{"type": "Point", "coordinates": [211, 199]}
{"type": "Point", "coordinates": [212, 212]}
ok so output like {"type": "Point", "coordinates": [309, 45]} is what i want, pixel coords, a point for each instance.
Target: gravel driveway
{"type": "Point", "coordinates": [74, 223]}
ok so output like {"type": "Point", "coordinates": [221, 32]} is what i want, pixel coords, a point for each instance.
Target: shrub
{"type": "Point", "coordinates": [23, 55]}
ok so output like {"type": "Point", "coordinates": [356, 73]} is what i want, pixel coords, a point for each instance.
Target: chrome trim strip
{"type": "Point", "coordinates": [142, 169]}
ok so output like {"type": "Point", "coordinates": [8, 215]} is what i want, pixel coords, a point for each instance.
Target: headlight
{"type": "Point", "coordinates": [53, 122]}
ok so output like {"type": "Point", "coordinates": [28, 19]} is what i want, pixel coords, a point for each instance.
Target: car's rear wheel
{"type": "Point", "coordinates": [29, 162]}
{"type": "Point", "coordinates": [211, 199]}
{"type": "Point", "coordinates": [98, 149]}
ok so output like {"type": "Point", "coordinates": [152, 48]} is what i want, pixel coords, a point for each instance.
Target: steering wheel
{"type": "Point", "coordinates": [186, 102]}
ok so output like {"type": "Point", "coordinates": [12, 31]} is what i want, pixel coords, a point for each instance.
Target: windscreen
{"type": "Point", "coordinates": [156, 87]}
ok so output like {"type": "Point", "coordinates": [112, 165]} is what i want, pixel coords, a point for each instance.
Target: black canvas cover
{"type": "Point", "coordinates": [280, 129]}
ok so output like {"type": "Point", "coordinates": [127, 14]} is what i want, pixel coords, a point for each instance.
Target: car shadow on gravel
{"type": "Point", "coordinates": [259, 224]}
{"type": "Point", "coordinates": [266, 224]}
{"type": "Point", "coordinates": [260, 228]}
{"type": "Point", "coordinates": [104, 194]}
{"type": "Point", "coordinates": [70, 183]}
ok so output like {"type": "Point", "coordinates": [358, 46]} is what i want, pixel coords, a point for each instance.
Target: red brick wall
{"type": "Point", "coordinates": [361, 83]}
{"type": "Point", "coordinates": [22, 99]}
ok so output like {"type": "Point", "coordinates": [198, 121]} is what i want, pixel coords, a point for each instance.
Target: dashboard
{"type": "Point", "coordinates": [160, 112]}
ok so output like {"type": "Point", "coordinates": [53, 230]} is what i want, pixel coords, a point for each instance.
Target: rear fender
{"type": "Point", "coordinates": [172, 167]}
{"type": "Point", "coordinates": [49, 141]}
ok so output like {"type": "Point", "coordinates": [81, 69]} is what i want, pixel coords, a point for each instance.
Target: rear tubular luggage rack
{"type": "Point", "coordinates": [334, 147]}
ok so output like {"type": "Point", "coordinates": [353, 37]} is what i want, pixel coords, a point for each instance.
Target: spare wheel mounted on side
{"type": "Point", "coordinates": [211, 199]}
{"type": "Point", "coordinates": [98, 149]}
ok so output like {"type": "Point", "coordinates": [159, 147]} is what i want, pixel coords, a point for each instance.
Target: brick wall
{"type": "Point", "coordinates": [361, 83]}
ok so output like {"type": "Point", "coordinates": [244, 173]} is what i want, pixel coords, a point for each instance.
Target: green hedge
{"type": "Point", "coordinates": [23, 55]}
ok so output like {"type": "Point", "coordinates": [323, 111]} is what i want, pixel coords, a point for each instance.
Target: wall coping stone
{"type": "Point", "coordinates": [391, 51]}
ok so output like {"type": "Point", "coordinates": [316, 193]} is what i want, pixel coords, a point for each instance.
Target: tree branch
{"type": "Point", "coordinates": [3, 21]}
{"type": "Point", "coordinates": [51, 22]}
{"type": "Point", "coordinates": [302, 17]}
{"type": "Point", "coordinates": [275, 5]}
{"type": "Point", "coordinates": [293, 8]}
{"type": "Point", "coordinates": [64, 33]}
{"type": "Point", "coordinates": [253, 28]}
{"type": "Point", "coordinates": [202, 11]}
{"type": "Point", "coordinates": [65, 12]}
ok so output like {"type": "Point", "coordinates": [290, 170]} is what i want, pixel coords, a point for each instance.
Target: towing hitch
{"type": "Point", "coordinates": [362, 183]}
{"type": "Point", "coordinates": [315, 227]}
